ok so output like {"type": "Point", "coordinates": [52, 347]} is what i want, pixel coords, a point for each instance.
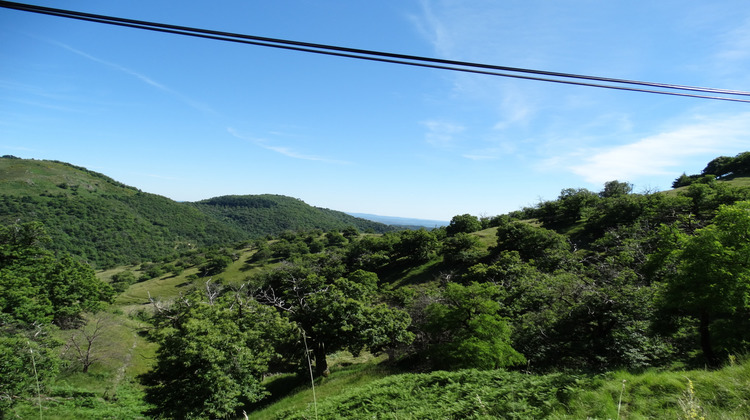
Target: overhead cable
{"type": "Point", "coordinates": [394, 58]}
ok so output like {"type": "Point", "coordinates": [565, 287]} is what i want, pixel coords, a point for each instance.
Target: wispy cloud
{"type": "Point", "coordinates": [283, 150]}
{"type": "Point", "coordinates": [442, 134]}
{"type": "Point", "coordinates": [736, 43]}
{"type": "Point", "coordinates": [476, 32]}
{"type": "Point", "coordinates": [434, 29]}
{"type": "Point", "coordinates": [480, 157]}
{"type": "Point", "coordinates": [660, 153]}
{"type": "Point", "coordinates": [142, 77]}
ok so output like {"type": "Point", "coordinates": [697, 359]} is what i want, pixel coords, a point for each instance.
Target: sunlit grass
{"type": "Point", "coordinates": [347, 373]}
{"type": "Point", "coordinates": [487, 237]}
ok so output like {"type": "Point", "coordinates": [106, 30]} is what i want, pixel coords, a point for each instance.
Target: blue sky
{"type": "Point", "coordinates": [191, 119]}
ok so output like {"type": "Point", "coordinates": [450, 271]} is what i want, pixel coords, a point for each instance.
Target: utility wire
{"type": "Point", "coordinates": [386, 57]}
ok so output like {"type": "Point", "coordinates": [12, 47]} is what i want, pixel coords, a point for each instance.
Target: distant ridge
{"type": "Point", "coordinates": [401, 221]}
{"type": "Point", "coordinates": [107, 223]}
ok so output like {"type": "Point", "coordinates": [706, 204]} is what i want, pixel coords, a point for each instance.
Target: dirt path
{"type": "Point", "coordinates": [125, 363]}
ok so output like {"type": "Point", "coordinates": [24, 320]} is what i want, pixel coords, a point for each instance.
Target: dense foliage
{"type": "Point", "coordinates": [214, 349]}
{"type": "Point", "coordinates": [463, 394]}
{"type": "Point", "coordinates": [722, 167]}
{"type": "Point", "coordinates": [335, 313]}
{"type": "Point", "coordinates": [267, 214]}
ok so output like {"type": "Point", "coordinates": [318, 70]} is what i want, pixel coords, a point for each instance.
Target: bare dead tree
{"type": "Point", "coordinates": [84, 341]}
{"type": "Point", "coordinates": [213, 291]}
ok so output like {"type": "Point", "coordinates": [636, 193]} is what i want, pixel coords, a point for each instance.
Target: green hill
{"type": "Point", "coordinates": [108, 223]}
{"type": "Point", "coordinates": [268, 214]}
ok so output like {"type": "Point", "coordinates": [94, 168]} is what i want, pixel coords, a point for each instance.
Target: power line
{"type": "Point", "coordinates": [394, 58]}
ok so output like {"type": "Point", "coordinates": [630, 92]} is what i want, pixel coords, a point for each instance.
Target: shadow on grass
{"type": "Point", "coordinates": [280, 386]}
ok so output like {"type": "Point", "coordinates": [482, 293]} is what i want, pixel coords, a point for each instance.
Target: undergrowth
{"type": "Point", "coordinates": [473, 394]}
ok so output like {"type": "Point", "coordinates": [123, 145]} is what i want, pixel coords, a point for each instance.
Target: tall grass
{"type": "Point", "coordinates": [693, 394]}
{"type": "Point", "coordinates": [361, 391]}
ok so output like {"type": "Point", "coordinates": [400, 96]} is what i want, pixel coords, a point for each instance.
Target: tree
{"type": "Point", "coordinates": [350, 232]}
{"type": "Point", "coordinates": [122, 280]}
{"type": "Point", "coordinates": [84, 341]}
{"type": "Point", "coordinates": [370, 252]}
{"type": "Point", "coordinates": [568, 208]}
{"type": "Point", "coordinates": [214, 349]}
{"type": "Point", "coordinates": [467, 331]}
{"type": "Point", "coordinates": [711, 276]}
{"type": "Point", "coordinates": [335, 239]}
{"type": "Point", "coordinates": [464, 223]}
{"type": "Point", "coordinates": [215, 264]}
{"type": "Point", "coordinates": [335, 314]}
{"type": "Point", "coordinates": [415, 245]}
{"type": "Point", "coordinates": [35, 286]}
{"type": "Point", "coordinates": [718, 167]}
{"type": "Point", "coordinates": [547, 249]}
{"type": "Point", "coordinates": [461, 248]}
{"type": "Point", "coordinates": [616, 189]}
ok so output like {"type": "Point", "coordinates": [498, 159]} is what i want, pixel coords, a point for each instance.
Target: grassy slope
{"type": "Point", "coordinates": [101, 220]}
{"type": "Point", "coordinates": [36, 177]}
{"type": "Point", "coordinates": [363, 391]}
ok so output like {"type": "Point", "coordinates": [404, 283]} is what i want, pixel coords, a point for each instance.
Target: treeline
{"type": "Point", "coordinates": [723, 167]}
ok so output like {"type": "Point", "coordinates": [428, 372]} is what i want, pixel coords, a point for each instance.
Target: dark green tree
{"type": "Point", "coordinates": [568, 208]}
{"type": "Point", "coordinates": [546, 248]}
{"type": "Point", "coordinates": [461, 248]}
{"type": "Point", "coordinates": [711, 277]}
{"type": "Point", "coordinates": [350, 232]}
{"type": "Point", "coordinates": [466, 329]}
{"type": "Point", "coordinates": [370, 252]}
{"type": "Point", "coordinates": [215, 264]}
{"type": "Point", "coordinates": [415, 245]}
{"type": "Point", "coordinates": [122, 280]}
{"type": "Point", "coordinates": [37, 287]}
{"type": "Point", "coordinates": [213, 352]}
{"type": "Point", "coordinates": [335, 315]}
{"type": "Point", "coordinates": [718, 167]}
{"type": "Point", "coordinates": [616, 189]}
{"type": "Point", "coordinates": [464, 223]}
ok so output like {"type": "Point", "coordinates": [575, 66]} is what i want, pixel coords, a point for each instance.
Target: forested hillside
{"type": "Point", "coordinates": [107, 223]}
{"type": "Point", "coordinates": [597, 304]}
{"type": "Point", "coordinates": [268, 214]}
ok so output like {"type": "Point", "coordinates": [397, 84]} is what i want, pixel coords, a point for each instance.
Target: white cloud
{"type": "Point", "coordinates": [659, 154]}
